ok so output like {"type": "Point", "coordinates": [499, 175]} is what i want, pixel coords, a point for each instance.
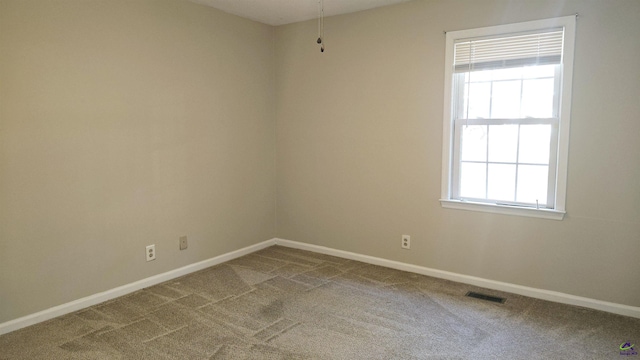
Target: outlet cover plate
{"type": "Point", "coordinates": [406, 242]}
{"type": "Point", "coordinates": [183, 242]}
{"type": "Point", "coordinates": [151, 252]}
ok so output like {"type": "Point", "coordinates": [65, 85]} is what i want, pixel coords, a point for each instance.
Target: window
{"type": "Point", "coordinates": [506, 118]}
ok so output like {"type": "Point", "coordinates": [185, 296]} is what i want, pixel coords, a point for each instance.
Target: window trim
{"type": "Point", "coordinates": [564, 116]}
{"type": "Point", "coordinates": [503, 209]}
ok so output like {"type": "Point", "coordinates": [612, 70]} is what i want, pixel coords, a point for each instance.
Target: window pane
{"type": "Point", "coordinates": [473, 180]}
{"type": "Point", "coordinates": [534, 144]}
{"type": "Point", "coordinates": [503, 143]}
{"type": "Point", "coordinates": [529, 72]}
{"type": "Point", "coordinates": [537, 98]}
{"type": "Point", "coordinates": [474, 143]}
{"type": "Point", "coordinates": [532, 184]}
{"type": "Point", "coordinates": [481, 76]}
{"type": "Point", "coordinates": [507, 74]}
{"type": "Point", "coordinates": [480, 100]}
{"type": "Point", "coordinates": [505, 100]}
{"type": "Point", "coordinates": [502, 182]}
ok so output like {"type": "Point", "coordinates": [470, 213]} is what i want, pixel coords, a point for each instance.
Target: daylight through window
{"type": "Point", "coordinates": [506, 117]}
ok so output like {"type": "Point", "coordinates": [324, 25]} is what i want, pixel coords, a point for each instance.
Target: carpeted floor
{"type": "Point", "coordinates": [282, 303]}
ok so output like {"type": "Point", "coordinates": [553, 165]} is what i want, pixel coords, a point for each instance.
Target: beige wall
{"type": "Point", "coordinates": [360, 137]}
{"type": "Point", "coordinates": [125, 123]}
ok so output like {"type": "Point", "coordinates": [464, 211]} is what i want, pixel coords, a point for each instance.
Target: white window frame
{"type": "Point", "coordinates": [447, 199]}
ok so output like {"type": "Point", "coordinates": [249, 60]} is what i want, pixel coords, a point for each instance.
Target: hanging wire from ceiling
{"type": "Point", "coordinates": [320, 40]}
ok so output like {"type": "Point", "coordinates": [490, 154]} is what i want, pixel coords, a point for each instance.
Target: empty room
{"type": "Point", "coordinates": [319, 179]}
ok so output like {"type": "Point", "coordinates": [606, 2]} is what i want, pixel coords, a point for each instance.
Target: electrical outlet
{"type": "Point", "coordinates": [151, 252]}
{"type": "Point", "coordinates": [406, 242]}
{"type": "Point", "coordinates": [183, 242]}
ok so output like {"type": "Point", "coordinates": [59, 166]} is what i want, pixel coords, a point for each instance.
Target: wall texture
{"type": "Point", "coordinates": [359, 147]}
{"type": "Point", "coordinates": [122, 124]}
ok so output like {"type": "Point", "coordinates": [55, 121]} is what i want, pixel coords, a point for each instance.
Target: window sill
{"type": "Point", "coordinates": [503, 209]}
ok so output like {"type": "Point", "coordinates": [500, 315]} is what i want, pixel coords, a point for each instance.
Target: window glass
{"type": "Point", "coordinates": [537, 98]}
{"type": "Point", "coordinates": [474, 143]}
{"type": "Point", "coordinates": [503, 143]}
{"type": "Point", "coordinates": [541, 71]}
{"type": "Point", "coordinates": [534, 144]}
{"type": "Point", "coordinates": [532, 184]}
{"type": "Point", "coordinates": [505, 99]}
{"type": "Point", "coordinates": [507, 119]}
{"type": "Point", "coordinates": [502, 182]}
{"type": "Point", "coordinates": [478, 96]}
{"type": "Point", "coordinates": [473, 180]}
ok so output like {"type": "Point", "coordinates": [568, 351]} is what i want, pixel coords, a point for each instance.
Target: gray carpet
{"type": "Point", "coordinates": [282, 303]}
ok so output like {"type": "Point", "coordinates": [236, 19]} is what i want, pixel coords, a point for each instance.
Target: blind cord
{"type": "Point", "coordinates": [469, 84]}
{"type": "Point", "coordinates": [320, 40]}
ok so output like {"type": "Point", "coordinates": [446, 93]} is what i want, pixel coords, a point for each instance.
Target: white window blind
{"type": "Point", "coordinates": [539, 48]}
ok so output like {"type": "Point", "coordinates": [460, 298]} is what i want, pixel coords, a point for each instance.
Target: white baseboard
{"type": "Point", "coordinates": [554, 296]}
{"type": "Point", "coordinates": [94, 299]}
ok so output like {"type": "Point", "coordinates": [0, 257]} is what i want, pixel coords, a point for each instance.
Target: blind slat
{"type": "Point", "coordinates": [544, 47]}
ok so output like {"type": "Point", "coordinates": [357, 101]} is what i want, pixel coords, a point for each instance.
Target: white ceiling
{"type": "Point", "coordinates": [280, 12]}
